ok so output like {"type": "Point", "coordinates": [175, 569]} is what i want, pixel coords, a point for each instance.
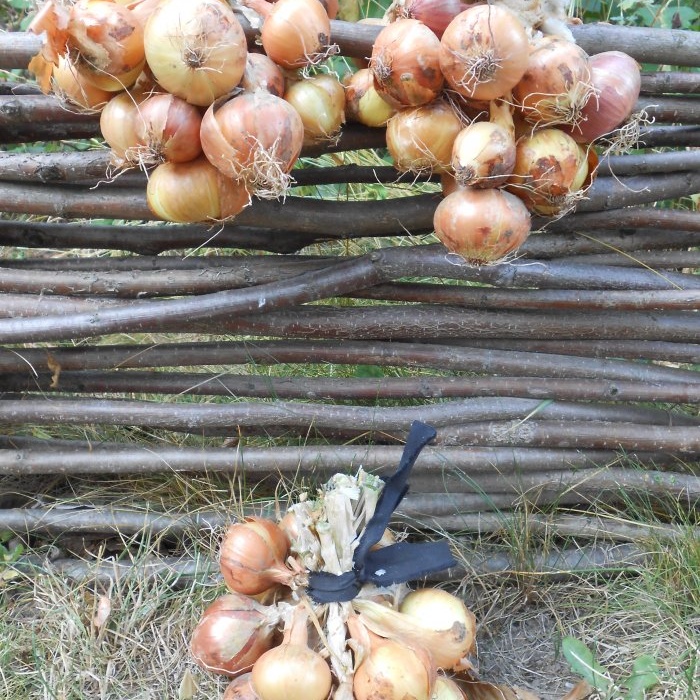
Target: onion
{"type": "Point", "coordinates": [70, 85]}
{"type": "Point", "coordinates": [108, 40]}
{"type": "Point", "coordinates": [483, 155]}
{"type": "Point", "coordinates": [405, 63]}
{"type": "Point", "coordinates": [484, 52]}
{"type": "Point", "coordinates": [616, 81]}
{"type": "Point", "coordinates": [547, 164]}
{"type": "Point", "coordinates": [435, 14]}
{"type": "Point", "coordinates": [233, 632]}
{"type": "Point", "coordinates": [118, 126]}
{"type": "Point", "coordinates": [556, 84]}
{"type": "Point", "coordinates": [262, 73]}
{"type": "Point", "coordinates": [481, 225]}
{"type": "Point", "coordinates": [194, 191]}
{"type": "Point", "coordinates": [363, 103]}
{"type": "Point", "coordinates": [420, 139]}
{"type": "Point", "coordinates": [292, 670]}
{"type": "Point", "coordinates": [255, 137]}
{"type": "Point", "coordinates": [196, 49]}
{"type": "Point", "coordinates": [295, 33]}
{"type": "Point", "coordinates": [445, 688]}
{"type": "Point", "coordinates": [320, 101]}
{"type": "Point", "coordinates": [252, 556]}
{"type": "Point", "coordinates": [241, 688]}
{"type": "Point", "coordinates": [167, 129]}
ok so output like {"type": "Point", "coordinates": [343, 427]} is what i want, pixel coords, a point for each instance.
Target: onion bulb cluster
{"type": "Point", "coordinates": [275, 642]}
{"type": "Point", "coordinates": [472, 92]}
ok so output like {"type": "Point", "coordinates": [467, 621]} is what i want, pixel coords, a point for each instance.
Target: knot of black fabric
{"type": "Point", "coordinates": [397, 563]}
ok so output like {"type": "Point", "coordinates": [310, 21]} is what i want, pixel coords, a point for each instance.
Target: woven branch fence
{"type": "Point", "coordinates": [546, 376]}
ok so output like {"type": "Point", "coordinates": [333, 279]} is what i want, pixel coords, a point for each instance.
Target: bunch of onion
{"type": "Point", "coordinates": [196, 49]}
{"type": "Point", "coordinates": [262, 73]}
{"type": "Point", "coordinates": [255, 137]}
{"type": "Point", "coordinates": [420, 139]}
{"type": "Point", "coordinates": [252, 556]}
{"type": "Point", "coordinates": [363, 104]}
{"type": "Point", "coordinates": [615, 81]}
{"type": "Point", "coordinates": [481, 225]}
{"type": "Point", "coordinates": [295, 33]}
{"type": "Point", "coordinates": [550, 171]}
{"type": "Point", "coordinates": [292, 669]}
{"type": "Point", "coordinates": [556, 85]}
{"type": "Point", "coordinates": [484, 52]}
{"type": "Point", "coordinates": [320, 102]}
{"type": "Point", "coordinates": [405, 63]}
{"type": "Point", "coordinates": [483, 154]}
{"type": "Point", "coordinates": [233, 633]}
{"type": "Point", "coordinates": [435, 14]}
{"type": "Point", "coordinates": [194, 192]}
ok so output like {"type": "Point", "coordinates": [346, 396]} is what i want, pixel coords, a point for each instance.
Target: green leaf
{"type": "Point", "coordinates": [644, 676]}
{"type": "Point", "coordinates": [582, 661]}
{"type": "Point", "coordinates": [369, 371]}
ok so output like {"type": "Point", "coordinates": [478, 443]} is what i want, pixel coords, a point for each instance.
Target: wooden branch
{"type": "Point", "coordinates": [455, 357]}
{"type": "Point", "coordinates": [347, 389]}
{"type": "Point", "coordinates": [669, 110]}
{"type": "Point", "coordinates": [657, 136]}
{"type": "Point", "coordinates": [658, 260]}
{"type": "Point", "coordinates": [629, 217]}
{"type": "Point", "coordinates": [668, 82]}
{"type": "Point", "coordinates": [666, 162]}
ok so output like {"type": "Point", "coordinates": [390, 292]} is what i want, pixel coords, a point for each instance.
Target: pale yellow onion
{"type": "Point", "coordinates": [194, 192]}
{"type": "Point", "coordinates": [256, 137]}
{"type": "Point", "coordinates": [546, 167]}
{"type": "Point", "coordinates": [68, 83]}
{"type": "Point", "coordinates": [321, 108]}
{"type": "Point", "coordinates": [484, 52]}
{"type": "Point", "coordinates": [481, 225]}
{"type": "Point", "coordinates": [196, 49]}
{"type": "Point", "coordinates": [420, 139]}
{"type": "Point", "coordinates": [118, 125]}
{"type": "Point", "coordinates": [405, 63]}
{"type": "Point", "coordinates": [556, 85]}
{"type": "Point", "coordinates": [483, 155]}
{"type": "Point", "coordinates": [363, 104]}
{"type": "Point", "coordinates": [445, 688]}
{"type": "Point", "coordinates": [108, 41]}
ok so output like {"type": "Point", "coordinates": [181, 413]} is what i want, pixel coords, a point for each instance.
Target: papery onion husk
{"type": "Point", "coordinates": [481, 225]}
{"type": "Point", "coordinates": [435, 14]}
{"type": "Point", "coordinates": [616, 81]}
{"type": "Point", "coordinates": [556, 85]}
{"type": "Point", "coordinates": [295, 33]}
{"type": "Point", "coordinates": [446, 689]}
{"type": "Point", "coordinates": [483, 155]}
{"type": "Point", "coordinates": [196, 49]}
{"type": "Point", "coordinates": [70, 85]}
{"type": "Point", "coordinates": [547, 165]}
{"type": "Point", "coordinates": [232, 634]}
{"type": "Point", "coordinates": [292, 669]}
{"type": "Point", "coordinates": [256, 137]}
{"type": "Point", "coordinates": [241, 688]}
{"type": "Point", "coordinates": [194, 192]}
{"type": "Point", "coordinates": [448, 649]}
{"type": "Point", "coordinates": [252, 556]}
{"type": "Point", "coordinates": [363, 104]}
{"type": "Point", "coordinates": [420, 139]}
{"type": "Point", "coordinates": [405, 63]}
{"type": "Point", "coordinates": [320, 102]}
{"type": "Point", "coordinates": [484, 52]}
{"type": "Point", "coordinates": [262, 73]}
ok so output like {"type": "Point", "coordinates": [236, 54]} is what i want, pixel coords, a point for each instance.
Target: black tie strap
{"type": "Point", "coordinates": [397, 563]}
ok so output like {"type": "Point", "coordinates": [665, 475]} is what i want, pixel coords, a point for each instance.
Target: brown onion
{"type": "Point", "coordinates": [320, 102]}
{"type": "Point", "coordinates": [108, 40]}
{"type": "Point", "coordinates": [262, 73]}
{"type": "Point", "coordinates": [481, 225]}
{"type": "Point", "coordinates": [232, 634]}
{"type": "Point", "coordinates": [405, 63]}
{"type": "Point", "coordinates": [363, 104]}
{"type": "Point", "coordinates": [484, 52]}
{"type": "Point", "coordinates": [196, 49]}
{"type": "Point", "coordinates": [194, 192]}
{"type": "Point", "coordinates": [241, 688]}
{"type": "Point", "coordinates": [118, 126]}
{"type": "Point", "coordinates": [420, 139]}
{"type": "Point", "coordinates": [435, 14]}
{"type": "Point", "coordinates": [252, 556]}
{"type": "Point", "coordinates": [547, 165]}
{"type": "Point", "coordinates": [483, 155]}
{"type": "Point", "coordinates": [255, 137]}
{"type": "Point", "coordinates": [616, 81]}
{"type": "Point", "coordinates": [69, 84]}
{"type": "Point", "coordinates": [556, 84]}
